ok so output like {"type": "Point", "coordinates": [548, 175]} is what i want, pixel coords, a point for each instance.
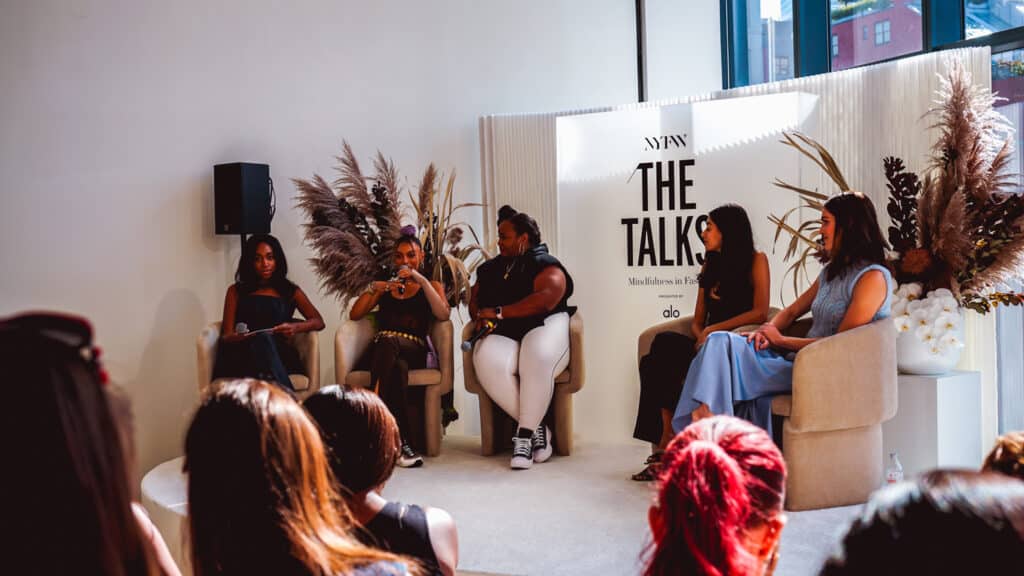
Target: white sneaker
{"type": "Point", "coordinates": [541, 444]}
{"type": "Point", "coordinates": [522, 453]}
{"type": "Point", "coordinates": [408, 458]}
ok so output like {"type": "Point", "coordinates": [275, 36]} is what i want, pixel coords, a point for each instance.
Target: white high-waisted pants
{"type": "Point", "coordinates": [520, 376]}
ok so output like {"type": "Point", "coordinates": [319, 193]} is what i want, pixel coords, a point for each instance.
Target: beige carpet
{"type": "Point", "coordinates": [574, 515]}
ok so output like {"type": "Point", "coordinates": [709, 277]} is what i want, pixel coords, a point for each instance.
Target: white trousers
{"type": "Point", "coordinates": [520, 376]}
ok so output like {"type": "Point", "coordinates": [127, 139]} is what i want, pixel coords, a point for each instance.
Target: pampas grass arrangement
{"type": "Point", "coordinates": [961, 226]}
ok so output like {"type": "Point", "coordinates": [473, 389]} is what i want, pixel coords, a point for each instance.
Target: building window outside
{"type": "Point", "coordinates": [835, 45]}
{"type": "Point", "coordinates": [882, 32]}
{"type": "Point", "coordinates": [983, 17]}
{"type": "Point", "coordinates": [897, 24]}
{"type": "Point", "coordinates": [774, 45]}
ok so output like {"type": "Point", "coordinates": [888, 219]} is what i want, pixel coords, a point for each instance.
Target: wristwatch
{"type": "Point", "coordinates": [497, 313]}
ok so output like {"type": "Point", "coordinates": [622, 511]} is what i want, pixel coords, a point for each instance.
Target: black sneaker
{"type": "Point", "coordinates": [541, 443]}
{"type": "Point", "coordinates": [522, 453]}
{"type": "Point", "coordinates": [408, 458]}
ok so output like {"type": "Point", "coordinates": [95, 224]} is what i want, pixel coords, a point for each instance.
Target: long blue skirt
{"type": "Point", "coordinates": [732, 378]}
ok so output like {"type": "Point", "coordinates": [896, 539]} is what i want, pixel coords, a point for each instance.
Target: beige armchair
{"type": "Point", "coordinates": [353, 339]}
{"type": "Point", "coordinates": [307, 344]}
{"type": "Point", "coordinates": [496, 426]}
{"type": "Point", "coordinates": [844, 388]}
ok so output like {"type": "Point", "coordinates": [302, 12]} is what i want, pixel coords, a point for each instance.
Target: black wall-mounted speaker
{"type": "Point", "coordinates": [242, 198]}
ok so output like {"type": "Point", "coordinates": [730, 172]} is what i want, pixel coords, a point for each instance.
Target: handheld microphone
{"type": "Point", "coordinates": [399, 281]}
{"type": "Point", "coordinates": [243, 329]}
{"type": "Point", "coordinates": [485, 328]}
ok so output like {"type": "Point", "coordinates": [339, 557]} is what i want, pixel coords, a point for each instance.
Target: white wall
{"type": "Point", "coordinates": [113, 114]}
{"type": "Point", "coordinates": [683, 48]}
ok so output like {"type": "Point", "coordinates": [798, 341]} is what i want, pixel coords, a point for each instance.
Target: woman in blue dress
{"type": "Point", "coordinates": [257, 327]}
{"type": "Point", "coordinates": [737, 374]}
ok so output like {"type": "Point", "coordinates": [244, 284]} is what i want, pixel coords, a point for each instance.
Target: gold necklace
{"type": "Point", "coordinates": [508, 269]}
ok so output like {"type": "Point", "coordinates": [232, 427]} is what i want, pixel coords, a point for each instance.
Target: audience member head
{"type": "Point", "coordinates": [360, 433]}
{"type": "Point", "coordinates": [947, 522]}
{"type": "Point", "coordinates": [517, 232]}
{"type": "Point", "coordinates": [70, 483]}
{"type": "Point", "coordinates": [730, 251]}
{"type": "Point", "coordinates": [261, 496]}
{"type": "Point", "coordinates": [850, 233]}
{"type": "Point", "coordinates": [1007, 456]}
{"type": "Point", "coordinates": [719, 502]}
{"type": "Point", "coordinates": [262, 264]}
{"type": "Point", "coordinates": [408, 250]}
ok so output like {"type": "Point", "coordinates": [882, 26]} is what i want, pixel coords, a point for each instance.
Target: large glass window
{"type": "Point", "coordinates": [983, 17]}
{"type": "Point", "coordinates": [769, 40]}
{"type": "Point", "coordinates": [896, 26]}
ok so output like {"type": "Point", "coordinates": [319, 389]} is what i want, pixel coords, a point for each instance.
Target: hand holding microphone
{"type": "Point", "coordinates": [400, 279]}
{"type": "Point", "coordinates": [484, 327]}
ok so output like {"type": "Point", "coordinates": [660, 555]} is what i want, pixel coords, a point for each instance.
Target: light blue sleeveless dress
{"type": "Point", "coordinates": [732, 378]}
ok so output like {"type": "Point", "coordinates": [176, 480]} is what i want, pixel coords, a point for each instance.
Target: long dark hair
{"type": "Point", "coordinates": [246, 276]}
{"type": "Point", "coordinates": [261, 497]}
{"type": "Point", "coordinates": [947, 522]}
{"type": "Point", "coordinates": [71, 487]}
{"type": "Point", "coordinates": [730, 267]}
{"type": "Point", "coordinates": [857, 239]}
{"type": "Point", "coordinates": [720, 477]}
{"type": "Point", "coordinates": [360, 433]}
{"type": "Point", "coordinates": [522, 222]}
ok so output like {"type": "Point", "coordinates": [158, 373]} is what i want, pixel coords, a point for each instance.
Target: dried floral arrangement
{"type": "Point", "coordinates": [961, 226]}
{"type": "Point", "coordinates": [449, 260]}
{"type": "Point", "coordinates": [352, 228]}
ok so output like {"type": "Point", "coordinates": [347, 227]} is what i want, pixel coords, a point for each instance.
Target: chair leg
{"type": "Point", "coordinates": [563, 423]}
{"type": "Point", "coordinates": [432, 420]}
{"type": "Point", "coordinates": [487, 422]}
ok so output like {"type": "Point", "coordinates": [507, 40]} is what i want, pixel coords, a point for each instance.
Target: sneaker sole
{"type": "Point", "coordinates": [542, 455]}
{"type": "Point", "coordinates": [521, 464]}
{"type": "Point", "coordinates": [414, 464]}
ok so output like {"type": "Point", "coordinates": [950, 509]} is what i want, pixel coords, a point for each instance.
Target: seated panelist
{"type": "Point", "coordinates": [408, 305]}
{"type": "Point", "coordinates": [734, 285]}
{"type": "Point", "coordinates": [257, 327]}
{"type": "Point", "coordinates": [524, 290]}
{"type": "Point", "coordinates": [739, 374]}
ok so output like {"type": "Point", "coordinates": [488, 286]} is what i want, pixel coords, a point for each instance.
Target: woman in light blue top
{"type": "Point", "coordinates": [738, 374]}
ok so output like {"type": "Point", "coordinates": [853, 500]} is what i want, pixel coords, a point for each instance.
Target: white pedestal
{"type": "Point", "coordinates": [165, 496]}
{"type": "Point", "coordinates": [937, 423]}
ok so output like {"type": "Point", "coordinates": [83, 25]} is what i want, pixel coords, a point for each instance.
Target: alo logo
{"type": "Point", "coordinates": [670, 312]}
{"type": "Point", "coordinates": [664, 142]}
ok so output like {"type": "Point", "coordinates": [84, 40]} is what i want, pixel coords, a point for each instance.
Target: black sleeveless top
{"type": "Point", "coordinates": [411, 315]}
{"type": "Point", "coordinates": [402, 529]}
{"type": "Point", "coordinates": [503, 281]}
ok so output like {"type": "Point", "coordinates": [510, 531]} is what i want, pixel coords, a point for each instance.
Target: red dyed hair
{"type": "Point", "coordinates": [720, 477]}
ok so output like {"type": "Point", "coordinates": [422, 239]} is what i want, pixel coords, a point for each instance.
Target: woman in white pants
{"type": "Point", "coordinates": [525, 291]}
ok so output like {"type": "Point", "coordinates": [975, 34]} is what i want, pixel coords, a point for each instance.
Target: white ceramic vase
{"type": "Point", "coordinates": [916, 357]}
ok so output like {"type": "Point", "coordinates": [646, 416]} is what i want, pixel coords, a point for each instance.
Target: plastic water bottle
{"type": "Point", "coordinates": [894, 472]}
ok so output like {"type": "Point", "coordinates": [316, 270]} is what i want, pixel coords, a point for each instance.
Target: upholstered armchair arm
{"type": "Point", "coordinates": [847, 380]}
{"type": "Point", "coordinates": [308, 346]}
{"type": "Point", "coordinates": [577, 356]}
{"type": "Point", "coordinates": [441, 335]}
{"type": "Point", "coordinates": [468, 372]}
{"type": "Point", "coordinates": [206, 348]}
{"type": "Point", "coordinates": [350, 342]}
{"type": "Point", "coordinates": [643, 343]}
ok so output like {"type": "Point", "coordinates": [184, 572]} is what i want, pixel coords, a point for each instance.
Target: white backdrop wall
{"type": "Point", "coordinates": [114, 113]}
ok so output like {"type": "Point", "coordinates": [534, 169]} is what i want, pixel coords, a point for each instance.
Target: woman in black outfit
{"type": "Point", "coordinates": [407, 308]}
{"type": "Point", "coordinates": [262, 298]}
{"type": "Point", "coordinates": [734, 285]}
{"type": "Point", "coordinates": [362, 443]}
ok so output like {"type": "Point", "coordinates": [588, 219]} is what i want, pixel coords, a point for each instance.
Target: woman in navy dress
{"type": "Point", "coordinates": [738, 374]}
{"type": "Point", "coordinates": [262, 298]}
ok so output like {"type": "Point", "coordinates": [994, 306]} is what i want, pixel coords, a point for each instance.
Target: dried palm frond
{"type": "Point", "coordinates": [820, 156]}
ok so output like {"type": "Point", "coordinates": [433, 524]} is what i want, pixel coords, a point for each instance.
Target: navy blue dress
{"type": "Point", "coordinates": [266, 356]}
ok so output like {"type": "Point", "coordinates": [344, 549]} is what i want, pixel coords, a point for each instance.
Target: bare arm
{"type": "Point", "coordinates": [473, 301]}
{"type": "Point", "coordinates": [548, 289]}
{"type": "Point", "coordinates": [368, 300]}
{"type": "Point", "coordinates": [699, 311]}
{"type": "Point", "coordinates": [868, 296]}
{"type": "Point", "coordinates": [769, 334]}
{"type": "Point", "coordinates": [761, 280]}
{"type": "Point", "coordinates": [444, 539]}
